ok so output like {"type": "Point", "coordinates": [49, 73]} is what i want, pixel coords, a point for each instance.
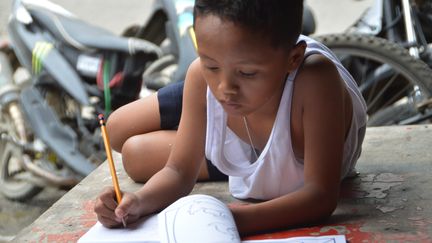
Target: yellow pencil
{"type": "Point", "coordinates": [110, 162]}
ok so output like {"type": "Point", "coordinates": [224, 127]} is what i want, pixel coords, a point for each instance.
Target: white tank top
{"type": "Point", "coordinates": [277, 171]}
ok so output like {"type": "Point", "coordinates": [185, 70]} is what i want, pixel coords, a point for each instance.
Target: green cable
{"type": "Point", "coordinates": [107, 91]}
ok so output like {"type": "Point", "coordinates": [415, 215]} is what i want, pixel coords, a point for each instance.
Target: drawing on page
{"type": "Point", "coordinates": [206, 217]}
{"type": "Point", "coordinates": [214, 209]}
{"type": "Point", "coordinates": [210, 208]}
{"type": "Point", "coordinates": [224, 229]}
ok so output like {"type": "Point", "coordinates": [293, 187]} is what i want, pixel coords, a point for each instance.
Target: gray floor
{"type": "Point", "coordinates": [332, 16]}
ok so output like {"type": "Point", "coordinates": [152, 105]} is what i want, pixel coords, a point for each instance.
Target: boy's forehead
{"type": "Point", "coordinates": [218, 39]}
{"type": "Point", "coordinates": [209, 27]}
{"type": "Point", "coordinates": [210, 23]}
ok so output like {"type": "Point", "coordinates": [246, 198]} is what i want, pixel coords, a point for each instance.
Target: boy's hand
{"type": "Point", "coordinates": [110, 214]}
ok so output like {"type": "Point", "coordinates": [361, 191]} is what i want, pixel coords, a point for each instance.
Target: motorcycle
{"type": "Point", "coordinates": [56, 75]}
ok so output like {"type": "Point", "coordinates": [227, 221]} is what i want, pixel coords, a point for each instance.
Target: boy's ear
{"type": "Point", "coordinates": [296, 55]}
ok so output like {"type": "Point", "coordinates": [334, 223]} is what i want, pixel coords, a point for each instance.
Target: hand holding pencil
{"type": "Point", "coordinates": [113, 208]}
{"type": "Point", "coordinates": [111, 163]}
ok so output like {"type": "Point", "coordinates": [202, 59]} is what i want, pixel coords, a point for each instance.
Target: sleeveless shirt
{"type": "Point", "coordinates": [277, 171]}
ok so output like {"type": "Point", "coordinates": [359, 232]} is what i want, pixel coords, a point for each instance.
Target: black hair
{"type": "Point", "coordinates": [279, 20]}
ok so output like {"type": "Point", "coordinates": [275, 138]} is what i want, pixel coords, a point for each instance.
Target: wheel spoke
{"type": "Point", "coordinates": [397, 96]}
{"type": "Point", "coordinates": [381, 92]}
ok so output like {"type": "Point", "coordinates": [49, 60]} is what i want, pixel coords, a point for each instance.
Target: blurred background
{"type": "Point", "coordinates": [332, 16]}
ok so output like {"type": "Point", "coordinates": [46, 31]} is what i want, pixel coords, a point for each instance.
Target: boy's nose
{"type": "Point", "coordinates": [228, 86]}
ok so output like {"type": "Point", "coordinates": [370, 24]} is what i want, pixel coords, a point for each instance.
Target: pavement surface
{"type": "Point", "coordinates": [332, 16]}
{"type": "Point", "coordinates": [389, 201]}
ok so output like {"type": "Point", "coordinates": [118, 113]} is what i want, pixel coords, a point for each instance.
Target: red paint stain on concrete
{"type": "Point", "coordinates": [88, 218]}
{"type": "Point", "coordinates": [352, 233]}
{"type": "Point", "coordinates": [64, 237]}
{"type": "Point", "coordinates": [36, 229]}
{"type": "Point", "coordinates": [78, 226]}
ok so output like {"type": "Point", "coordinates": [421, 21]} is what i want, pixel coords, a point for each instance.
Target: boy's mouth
{"type": "Point", "coordinates": [230, 105]}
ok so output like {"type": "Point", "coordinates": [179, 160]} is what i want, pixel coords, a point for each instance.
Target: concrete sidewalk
{"type": "Point", "coordinates": [116, 16]}
{"type": "Point", "coordinates": [388, 202]}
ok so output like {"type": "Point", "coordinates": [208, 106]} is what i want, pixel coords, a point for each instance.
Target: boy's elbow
{"type": "Point", "coordinates": [327, 208]}
{"type": "Point", "coordinates": [327, 203]}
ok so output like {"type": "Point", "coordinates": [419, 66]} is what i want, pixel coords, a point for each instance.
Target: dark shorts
{"type": "Point", "coordinates": [170, 106]}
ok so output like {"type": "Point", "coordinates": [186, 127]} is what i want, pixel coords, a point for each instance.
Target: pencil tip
{"type": "Point", "coordinates": [101, 116]}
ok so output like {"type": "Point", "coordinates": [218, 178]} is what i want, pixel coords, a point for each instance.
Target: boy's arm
{"type": "Point", "coordinates": [323, 111]}
{"type": "Point", "coordinates": [179, 175]}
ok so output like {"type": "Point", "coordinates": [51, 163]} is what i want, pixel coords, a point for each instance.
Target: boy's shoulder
{"type": "Point", "coordinates": [317, 64]}
{"type": "Point", "coordinates": [194, 72]}
{"type": "Point", "coordinates": [318, 77]}
{"type": "Point", "coordinates": [317, 68]}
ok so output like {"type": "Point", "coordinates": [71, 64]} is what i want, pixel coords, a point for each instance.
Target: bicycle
{"type": "Point", "coordinates": [387, 52]}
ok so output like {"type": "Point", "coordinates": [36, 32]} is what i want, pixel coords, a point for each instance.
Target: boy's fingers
{"type": "Point", "coordinates": [102, 210]}
{"type": "Point", "coordinates": [108, 198]}
{"type": "Point", "coordinates": [126, 206]}
{"type": "Point", "coordinates": [130, 219]}
{"type": "Point", "coordinates": [108, 222]}
{"type": "Point", "coordinates": [106, 204]}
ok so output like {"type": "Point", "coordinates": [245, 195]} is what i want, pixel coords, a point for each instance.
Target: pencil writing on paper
{"type": "Point", "coordinates": [111, 162]}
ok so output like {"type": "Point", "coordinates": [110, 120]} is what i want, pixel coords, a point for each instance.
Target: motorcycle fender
{"type": "Point", "coordinates": [61, 70]}
{"type": "Point", "coordinates": [61, 139]}
{"type": "Point", "coordinates": [36, 53]}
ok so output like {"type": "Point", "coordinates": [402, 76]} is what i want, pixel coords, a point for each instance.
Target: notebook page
{"type": "Point", "coordinates": [144, 231]}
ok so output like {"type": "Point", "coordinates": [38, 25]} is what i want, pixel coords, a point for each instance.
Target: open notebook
{"type": "Point", "coordinates": [194, 218]}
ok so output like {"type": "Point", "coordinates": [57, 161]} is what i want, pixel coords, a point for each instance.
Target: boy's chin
{"type": "Point", "coordinates": [233, 110]}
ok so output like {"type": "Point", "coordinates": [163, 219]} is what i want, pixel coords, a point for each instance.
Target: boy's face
{"type": "Point", "coordinates": [243, 71]}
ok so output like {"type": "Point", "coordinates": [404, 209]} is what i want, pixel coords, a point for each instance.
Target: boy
{"type": "Point", "coordinates": [273, 110]}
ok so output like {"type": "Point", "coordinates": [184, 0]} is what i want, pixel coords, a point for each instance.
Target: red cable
{"type": "Point", "coordinates": [116, 80]}
{"type": "Point", "coordinates": [99, 76]}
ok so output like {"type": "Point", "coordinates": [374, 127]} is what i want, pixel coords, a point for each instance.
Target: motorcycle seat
{"type": "Point", "coordinates": [84, 36]}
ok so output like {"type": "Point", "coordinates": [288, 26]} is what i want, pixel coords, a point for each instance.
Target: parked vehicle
{"type": "Point", "coordinates": [396, 83]}
{"type": "Point", "coordinates": [56, 75]}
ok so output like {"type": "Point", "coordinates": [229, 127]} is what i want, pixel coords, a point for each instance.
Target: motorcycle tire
{"type": "Point", "coordinates": [13, 178]}
{"type": "Point", "coordinates": [394, 78]}
{"type": "Point", "coordinates": [10, 186]}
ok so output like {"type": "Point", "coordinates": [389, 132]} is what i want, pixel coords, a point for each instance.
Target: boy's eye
{"type": "Point", "coordinates": [212, 68]}
{"type": "Point", "coordinates": [247, 74]}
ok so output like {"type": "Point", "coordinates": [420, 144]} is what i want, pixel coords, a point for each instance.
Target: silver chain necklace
{"type": "Point", "coordinates": [250, 138]}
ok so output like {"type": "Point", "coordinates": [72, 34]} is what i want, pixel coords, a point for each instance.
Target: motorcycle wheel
{"type": "Point", "coordinates": [388, 77]}
{"type": "Point", "coordinates": [14, 180]}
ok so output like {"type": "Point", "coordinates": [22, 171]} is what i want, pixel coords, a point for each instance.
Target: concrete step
{"type": "Point", "coordinates": [388, 201]}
